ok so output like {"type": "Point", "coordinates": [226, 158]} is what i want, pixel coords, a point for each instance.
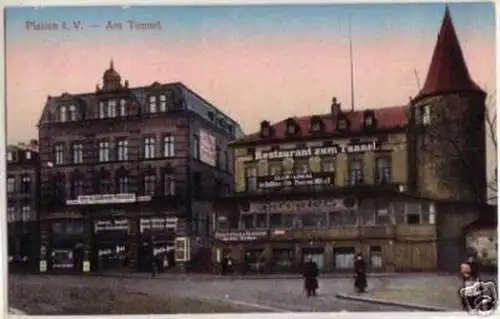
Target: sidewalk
{"type": "Point", "coordinates": [197, 276]}
{"type": "Point", "coordinates": [433, 293]}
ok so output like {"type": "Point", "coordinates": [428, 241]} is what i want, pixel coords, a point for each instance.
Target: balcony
{"type": "Point", "coordinates": [416, 231]}
{"type": "Point", "coordinates": [377, 231]}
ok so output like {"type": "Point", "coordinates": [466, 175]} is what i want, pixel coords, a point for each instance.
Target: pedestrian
{"type": "Point", "coordinates": [223, 266]}
{"type": "Point", "coordinates": [474, 265]}
{"type": "Point", "coordinates": [152, 258]}
{"type": "Point", "coordinates": [468, 291]}
{"type": "Point", "coordinates": [360, 274]}
{"type": "Point", "coordinates": [310, 273]}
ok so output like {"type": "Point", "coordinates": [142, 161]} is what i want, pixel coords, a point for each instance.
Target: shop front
{"type": "Point", "coordinates": [66, 245]}
{"type": "Point", "coordinates": [247, 249]}
{"type": "Point", "coordinates": [110, 244]}
{"type": "Point", "coordinates": [157, 243]}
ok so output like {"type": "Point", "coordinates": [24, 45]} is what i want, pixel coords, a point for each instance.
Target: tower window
{"type": "Point", "coordinates": [425, 111]}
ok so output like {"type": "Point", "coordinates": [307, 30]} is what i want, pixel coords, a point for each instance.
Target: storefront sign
{"type": "Point", "coordinates": [158, 224]}
{"type": "Point", "coordinates": [111, 225]}
{"type": "Point", "coordinates": [119, 249]}
{"type": "Point", "coordinates": [241, 235]}
{"type": "Point", "coordinates": [319, 151]}
{"type": "Point", "coordinates": [311, 205]}
{"type": "Point", "coordinates": [99, 199]}
{"type": "Point", "coordinates": [292, 180]}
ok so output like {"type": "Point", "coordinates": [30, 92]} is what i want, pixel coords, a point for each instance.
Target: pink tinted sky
{"type": "Point", "coordinates": [249, 80]}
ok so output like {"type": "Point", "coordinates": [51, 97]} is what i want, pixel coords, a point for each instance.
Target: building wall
{"type": "Point", "coordinates": [395, 144]}
{"type": "Point", "coordinates": [451, 150]}
{"type": "Point", "coordinates": [401, 246]}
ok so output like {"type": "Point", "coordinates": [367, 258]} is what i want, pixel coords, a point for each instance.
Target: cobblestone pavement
{"type": "Point", "coordinates": [256, 294]}
{"type": "Point", "coordinates": [434, 291]}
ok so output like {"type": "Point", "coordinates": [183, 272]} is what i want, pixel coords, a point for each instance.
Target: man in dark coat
{"type": "Point", "coordinates": [310, 274]}
{"type": "Point", "coordinates": [360, 274]}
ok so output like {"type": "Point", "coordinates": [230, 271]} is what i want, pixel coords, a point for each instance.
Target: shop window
{"type": "Point", "coordinates": [314, 220]}
{"type": "Point", "coordinates": [276, 220]}
{"type": "Point", "coordinates": [316, 254]}
{"type": "Point", "coordinates": [283, 258]}
{"type": "Point", "coordinates": [376, 257]}
{"type": "Point", "coordinates": [289, 220]}
{"type": "Point", "coordinates": [247, 221]}
{"type": "Point", "coordinates": [182, 249]}
{"type": "Point", "coordinates": [261, 221]}
{"type": "Point", "coordinates": [344, 257]}
{"type": "Point", "coordinates": [62, 258]}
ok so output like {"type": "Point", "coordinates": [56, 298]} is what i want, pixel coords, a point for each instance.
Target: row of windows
{"type": "Point", "coordinates": [121, 149]}
{"type": "Point", "coordinates": [14, 215]}
{"type": "Point", "coordinates": [113, 108]}
{"type": "Point", "coordinates": [380, 216]}
{"type": "Point", "coordinates": [151, 185]}
{"type": "Point", "coordinates": [355, 171]}
{"type": "Point", "coordinates": [25, 185]}
{"type": "Point", "coordinates": [11, 156]}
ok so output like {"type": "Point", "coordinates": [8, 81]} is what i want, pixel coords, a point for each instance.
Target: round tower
{"type": "Point", "coordinates": [447, 126]}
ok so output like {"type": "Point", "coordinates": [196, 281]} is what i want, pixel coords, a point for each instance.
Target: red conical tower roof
{"type": "Point", "coordinates": [448, 71]}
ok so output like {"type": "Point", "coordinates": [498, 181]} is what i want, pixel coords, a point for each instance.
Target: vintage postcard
{"type": "Point", "coordinates": [250, 158]}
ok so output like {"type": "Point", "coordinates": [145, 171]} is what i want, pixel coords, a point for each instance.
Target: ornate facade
{"type": "Point", "coordinates": [130, 171]}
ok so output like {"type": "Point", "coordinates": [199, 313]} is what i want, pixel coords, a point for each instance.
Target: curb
{"type": "Point", "coordinates": [390, 303]}
{"type": "Point", "coordinates": [233, 277]}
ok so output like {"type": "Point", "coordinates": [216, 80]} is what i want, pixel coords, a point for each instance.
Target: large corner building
{"type": "Point", "coordinates": [398, 184]}
{"type": "Point", "coordinates": [130, 173]}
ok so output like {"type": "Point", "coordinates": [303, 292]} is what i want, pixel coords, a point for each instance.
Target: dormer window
{"type": "Point", "coordinates": [63, 114]}
{"type": "Point", "coordinates": [72, 112]}
{"type": "Point", "coordinates": [265, 129]}
{"type": "Point", "coordinates": [211, 116]}
{"type": "Point", "coordinates": [222, 123]}
{"type": "Point", "coordinates": [316, 125]}
{"type": "Point", "coordinates": [291, 127]}
{"type": "Point", "coordinates": [28, 155]}
{"type": "Point", "coordinates": [10, 156]}
{"type": "Point", "coordinates": [342, 123]}
{"type": "Point", "coordinates": [425, 113]}
{"type": "Point", "coordinates": [369, 119]}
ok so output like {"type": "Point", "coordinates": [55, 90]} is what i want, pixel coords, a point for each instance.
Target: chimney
{"type": "Point", "coordinates": [336, 107]}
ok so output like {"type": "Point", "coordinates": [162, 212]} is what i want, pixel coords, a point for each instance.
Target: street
{"type": "Point", "coordinates": [254, 295]}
